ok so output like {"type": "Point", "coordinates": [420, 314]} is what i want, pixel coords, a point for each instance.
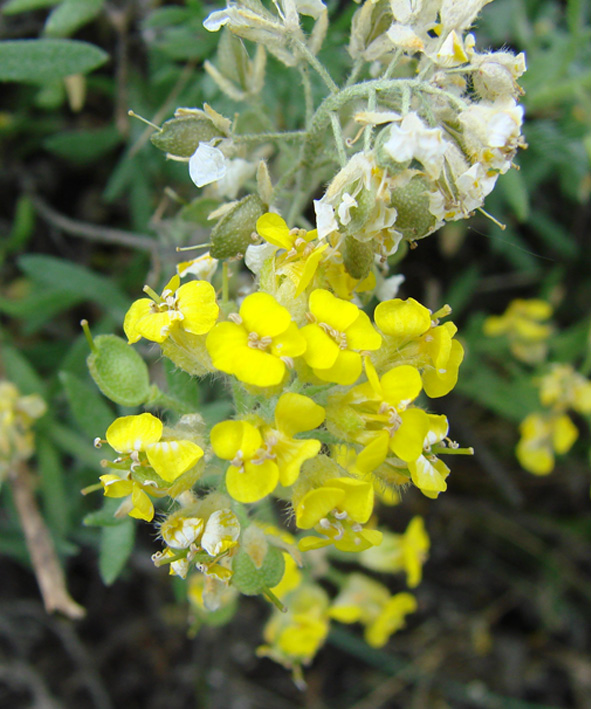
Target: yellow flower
{"type": "Point", "coordinates": [427, 471]}
{"type": "Point", "coordinates": [191, 307]}
{"type": "Point", "coordinates": [339, 332]}
{"type": "Point", "coordinates": [146, 462]}
{"type": "Point", "coordinates": [524, 325]}
{"type": "Point", "coordinates": [132, 436]}
{"type": "Point", "coordinates": [253, 474]}
{"type": "Point", "coordinates": [390, 426]}
{"type": "Point", "coordinates": [256, 347]}
{"type": "Point", "coordinates": [138, 504]}
{"type": "Point", "coordinates": [302, 250]}
{"type": "Point", "coordinates": [412, 337]}
{"type": "Point", "coordinates": [363, 600]}
{"type": "Point", "coordinates": [17, 415]}
{"type": "Point", "coordinates": [564, 388]}
{"type": "Point", "coordinates": [337, 510]}
{"type": "Point", "coordinates": [400, 552]}
{"type": "Point", "coordinates": [262, 458]}
{"type": "Point", "coordinates": [542, 435]}
{"type": "Point", "coordinates": [294, 637]}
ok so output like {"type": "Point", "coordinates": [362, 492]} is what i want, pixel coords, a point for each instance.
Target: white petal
{"type": "Point", "coordinates": [326, 222]}
{"type": "Point", "coordinates": [207, 165]}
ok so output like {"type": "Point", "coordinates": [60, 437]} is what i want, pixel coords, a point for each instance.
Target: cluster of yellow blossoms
{"type": "Point", "coordinates": [549, 431]}
{"type": "Point", "coordinates": [327, 416]}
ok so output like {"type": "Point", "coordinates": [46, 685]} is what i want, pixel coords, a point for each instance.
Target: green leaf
{"type": "Point", "coordinates": [19, 371]}
{"type": "Point", "coordinates": [105, 516]}
{"type": "Point", "coordinates": [64, 20]}
{"type": "Point", "coordinates": [76, 279]}
{"type": "Point", "coordinates": [13, 7]}
{"type": "Point", "coordinates": [53, 489]}
{"type": "Point", "coordinates": [116, 546]}
{"type": "Point", "coordinates": [75, 445]}
{"type": "Point", "coordinates": [89, 409]}
{"type": "Point", "coordinates": [83, 146]}
{"type": "Point", "coordinates": [37, 61]}
{"type": "Point", "coordinates": [22, 227]}
{"type": "Point", "coordinates": [39, 306]}
{"type": "Point", "coordinates": [514, 190]}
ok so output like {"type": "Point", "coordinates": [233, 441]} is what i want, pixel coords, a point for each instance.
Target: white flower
{"type": "Point", "coordinates": [387, 288]}
{"type": "Point", "coordinates": [221, 531]}
{"type": "Point", "coordinates": [326, 221]}
{"type": "Point", "coordinates": [203, 267]}
{"type": "Point", "coordinates": [344, 209]}
{"type": "Point", "coordinates": [207, 165]}
{"type": "Point", "coordinates": [237, 172]}
{"type": "Point", "coordinates": [257, 254]}
{"type": "Point", "coordinates": [412, 139]}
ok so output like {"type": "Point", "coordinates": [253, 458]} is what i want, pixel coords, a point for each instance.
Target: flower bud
{"type": "Point", "coordinates": [119, 371]}
{"type": "Point", "coordinates": [358, 256]}
{"type": "Point", "coordinates": [180, 136]}
{"type": "Point", "coordinates": [414, 220]}
{"type": "Point", "coordinates": [232, 234]}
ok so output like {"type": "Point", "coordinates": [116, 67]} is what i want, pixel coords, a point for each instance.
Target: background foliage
{"type": "Point", "coordinates": [86, 218]}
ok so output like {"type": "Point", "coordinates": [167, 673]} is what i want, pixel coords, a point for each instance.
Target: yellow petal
{"type": "Point", "coordinates": [358, 499]}
{"type": "Point", "coordinates": [142, 505]}
{"type": "Point", "coordinates": [361, 335]}
{"type": "Point", "coordinates": [261, 313]}
{"type": "Point", "coordinates": [197, 303]}
{"type": "Point", "coordinates": [290, 343]}
{"type": "Point", "coordinates": [170, 459]}
{"type": "Point", "coordinates": [113, 486]}
{"type": "Point", "coordinates": [290, 456]}
{"type": "Point", "coordinates": [426, 476]}
{"type": "Point", "coordinates": [223, 342]}
{"type": "Point", "coordinates": [259, 368]}
{"type": "Point", "coordinates": [346, 369]}
{"type": "Point", "coordinates": [155, 326]}
{"type": "Point", "coordinates": [316, 504]}
{"type": "Point", "coordinates": [139, 309]}
{"type": "Point", "coordinates": [564, 434]}
{"type": "Point", "coordinates": [401, 385]}
{"type": "Point", "coordinates": [134, 433]}
{"type": "Point", "coordinates": [321, 351]}
{"type": "Point", "coordinates": [229, 437]}
{"type": "Point", "coordinates": [310, 267]}
{"type": "Point", "coordinates": [253, 482]}
{"type": "Point", "coordinates": [326, 308]}
{"type": "Point", "coordinates": [374, 454]}
{"type": "Point", "coordinates": [274, 230]}
{"type": "Point", "coordinates": [295, 413]}
{"type": "Point", "coordinates": [409, 439]}
{"type": "Point", "coordinates": [404, 320]}
{"type": "Point", "coordinates": [311, 543]}
{"type": "Point", "coordinates": [439, 382]}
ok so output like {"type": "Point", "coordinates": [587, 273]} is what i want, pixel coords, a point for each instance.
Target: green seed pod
{"type": "Point", "coordinates": [251, 581]}
{"type": "Point", "coordinates": [414, 219]}
{"type": "Point", "coordinates": [181, 136]}
{"type": "Point", "coordinates": [232, 234]}
{"type": "Point", "coordinates": [358, 256]}
{"type": "Point", "coordinates": [119, 371]}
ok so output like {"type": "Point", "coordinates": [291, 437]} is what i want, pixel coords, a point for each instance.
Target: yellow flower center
{"type": "Point", "coordinates": [339, 337]}
{"type": "Point", "coordinates": [259, 343]}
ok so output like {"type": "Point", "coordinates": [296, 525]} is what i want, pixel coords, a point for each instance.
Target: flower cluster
{"type": "Point", "coordinates": [331, 373]}
{"type": "Point", "coordinates": [17, 416]}
{"type": "Point", "coordinates": [549, 430]}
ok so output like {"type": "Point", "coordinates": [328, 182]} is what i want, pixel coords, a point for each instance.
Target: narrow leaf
{"type": "Point", "coordinates": [37, 61]}
{"type": "Point", "coordinates": [116, 546]}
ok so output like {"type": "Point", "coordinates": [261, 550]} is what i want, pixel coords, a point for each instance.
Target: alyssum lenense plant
{"type": "Point", "coordinates": [330, 402]}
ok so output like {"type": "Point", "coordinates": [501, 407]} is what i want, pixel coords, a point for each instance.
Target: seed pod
{"type": "Point", "coordinates": [232, 234]}
{"type": "Point", "coordinates": [358, 257]}
{"type": "Point", "coordinates": [119, 371]}
{"type": "Point", "coordinates": [181, 136]}
{"type": "Point", "coordinates": [414, 219]}
{"type": "Point", "coordinates": [251, 581]}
